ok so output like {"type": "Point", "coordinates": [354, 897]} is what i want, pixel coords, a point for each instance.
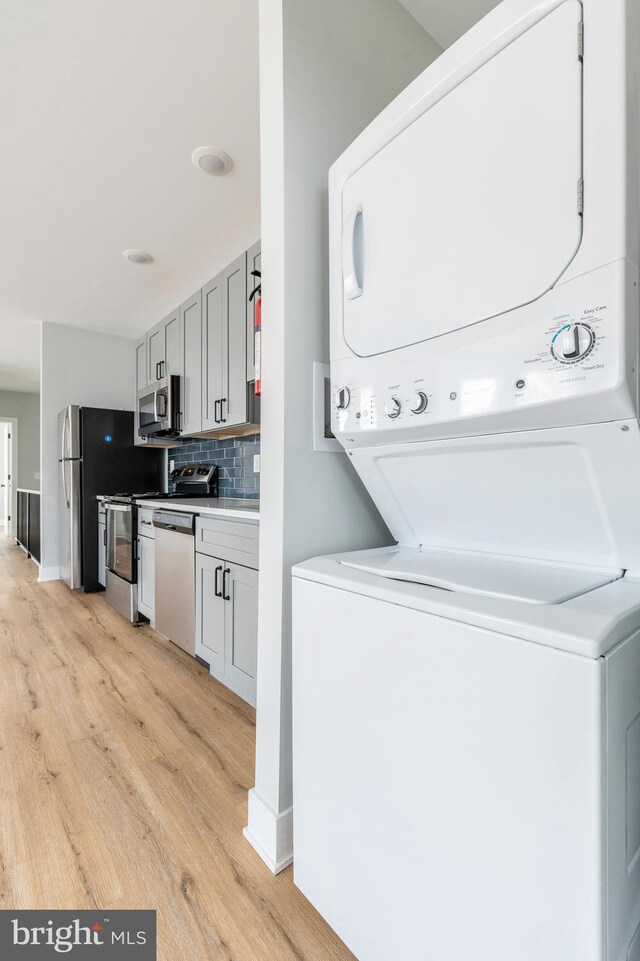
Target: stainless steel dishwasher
{"type": "Point", "coordinates": [176, 578]}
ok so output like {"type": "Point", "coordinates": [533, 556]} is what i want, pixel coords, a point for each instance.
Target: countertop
{"type": "Point", "coordinates": [216, 506]}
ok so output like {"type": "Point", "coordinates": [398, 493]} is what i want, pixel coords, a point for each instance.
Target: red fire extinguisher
{"type": "Point", "coordinates": [257, 330]}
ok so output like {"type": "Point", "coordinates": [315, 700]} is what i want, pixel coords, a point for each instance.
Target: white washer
{"type": "Point", "coordinates": [466, 705]}
{"type": "Point", "coordinates": [466, 767]}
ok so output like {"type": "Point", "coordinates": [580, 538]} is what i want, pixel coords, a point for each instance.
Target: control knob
{"type": "Point", "coordinates": [393, 408]}
{"type": "Point", "coordinates": [572, 343]}
{"type": "Point", "coordinates": [343, 398]}
{"type": "Point", "coordinates": [420, 402]}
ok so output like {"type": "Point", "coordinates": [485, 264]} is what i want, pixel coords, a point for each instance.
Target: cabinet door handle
{"type": "Point", "coordinates": [223, 420]}
{"type": "Point", "coordinates": [163, 364]}
{"type": "Point", "coordinates": [217, 592]}
{"type": "Point", "coordinates": [225, 595]}
{"type": "Point", "coordinates": [215, 412]}
{"type": "Point", "coordinates": [104, 536]}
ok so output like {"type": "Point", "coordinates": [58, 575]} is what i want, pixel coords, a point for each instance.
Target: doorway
{"type": "Point", "coordinates": [8, 475]}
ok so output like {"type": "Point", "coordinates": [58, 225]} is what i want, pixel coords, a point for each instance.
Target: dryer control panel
{"type": "Point", "coordinates": [565, 350]}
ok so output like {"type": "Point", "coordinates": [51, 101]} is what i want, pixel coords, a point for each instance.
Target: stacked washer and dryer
{"type": "Point", "coordinates": [467, 703]}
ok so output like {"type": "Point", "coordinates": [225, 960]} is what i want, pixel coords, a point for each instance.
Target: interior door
{"type": "Point", "coordinates": [472, 210]}
{"type": "Point", "coordinates": [7, 473]}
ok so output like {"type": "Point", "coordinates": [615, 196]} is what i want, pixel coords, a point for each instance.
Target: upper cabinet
{"type": "Point", "coordinates": [233, 362]}
{"type": "Point", "coordinates": [254, 262]}
{"type": "Point", "coordinates": [163, 348]}
{"type": "Point", "coordinates": [208, 342]}
{"type": "Point", "coordinates": [142, 368]}
{"type": "Point", "coordinates": [225, 395]}
{"type": "Point", "coordinates": [212, 390]}
{"type": "Point", "coordinates": [191, 366]}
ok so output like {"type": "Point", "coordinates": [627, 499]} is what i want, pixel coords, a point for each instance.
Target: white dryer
{"type": "Point", "coordinates": [466, 705]}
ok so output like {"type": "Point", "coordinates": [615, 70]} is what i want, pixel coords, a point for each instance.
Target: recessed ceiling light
{"type": "Point", "coordinates": [137, 256]}
{"type": "Point", "coordinates": [212, 161]}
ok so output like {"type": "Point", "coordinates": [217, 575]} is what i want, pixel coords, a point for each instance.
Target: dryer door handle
{"type": "Point", "coordinates": [352, 288]}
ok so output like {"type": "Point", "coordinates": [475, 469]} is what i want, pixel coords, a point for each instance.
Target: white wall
{"type": "Point", "coordinates": [77, 367]}
{"type": "Point", "coordinates": [326, 70]}
{"type": "Point", "coordinates": [25, 407]}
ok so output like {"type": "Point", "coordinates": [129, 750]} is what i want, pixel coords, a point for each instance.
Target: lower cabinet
{"type": "Point", "coordinates": [28, 522]}
{"type": "Point", "coordinates": [147, 577]}
{"type": "Point", "coordinates": [227, 622]}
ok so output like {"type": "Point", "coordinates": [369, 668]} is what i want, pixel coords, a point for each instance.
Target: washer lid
{"type": "Point", "coordinates": [515, 579]}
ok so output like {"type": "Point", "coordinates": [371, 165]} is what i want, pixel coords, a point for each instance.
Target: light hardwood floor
{"type": "Point", "coordinates": [124, 770]}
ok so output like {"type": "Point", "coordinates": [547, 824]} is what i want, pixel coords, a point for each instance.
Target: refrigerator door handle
{"type": "Point", "coordinates": [63, 460]}
{"type": "Point", "coordinates": [64, 434]}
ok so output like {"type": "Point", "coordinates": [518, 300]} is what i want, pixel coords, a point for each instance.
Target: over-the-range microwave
{"type": "Point", "coordinates": [159, 408]}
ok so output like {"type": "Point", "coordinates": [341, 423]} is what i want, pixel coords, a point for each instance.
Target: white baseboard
{"type": "Point", "coordinates": [270, 833]}
{"type": "Point", "coordinates": [49, 574]}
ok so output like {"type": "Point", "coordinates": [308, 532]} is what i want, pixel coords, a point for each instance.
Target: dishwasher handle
{"type": "Point", "coordinates": [174, 521]}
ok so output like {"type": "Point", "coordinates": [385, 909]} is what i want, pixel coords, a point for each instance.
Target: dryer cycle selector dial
{"type": "Point", "coordinates": [343, 398]}
{"type": "Point", "coordinates": [572, 343]}
{"type": "Point", "coordinates": [420, 402]}
{"type": "Point", "coordinates": [393, 408]}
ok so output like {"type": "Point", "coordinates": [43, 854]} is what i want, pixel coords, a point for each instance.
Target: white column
{"type": "Point", "coordinates": [326, 70]}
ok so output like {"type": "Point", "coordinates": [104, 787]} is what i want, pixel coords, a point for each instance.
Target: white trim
{"type": "Point", "coordinates": [270, 833]}
{"type": "Point", "coordinates": [25, 490]}
{"type": "Point", "coordinates": [49, 574]}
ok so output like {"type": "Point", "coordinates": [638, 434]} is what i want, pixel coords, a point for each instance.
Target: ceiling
{"type": "Point", "coordinates": [447, 20]}
{"type": "Point", "coordinates": [102, 105]}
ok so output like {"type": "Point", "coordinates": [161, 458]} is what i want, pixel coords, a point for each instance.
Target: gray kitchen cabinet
{"type": "Point", "coordinates": [191, 364]}
{"type": "Point", "coordinates": [227, 602]}
{"type": "Point", "coordinates": [210, 613]}
{"type": "Point", "coordinates": [224, 369]}
{"type": "Point", "coordinates": [163, 348]}
{"type": "Point", "coordinates": [141, 381]}
{"type": "Point", "coordinates": [233, 408]}
{"type": "Point", "coordinates": [208, 341]}
{"type": "Point", "coordinates": [147, 576]}
{"type": "Point", "coordinates": [241, 630]}
{"type": "Point", "coordinates": [211, 372]}
{"type": "Point", "coordinates": [254, 262]}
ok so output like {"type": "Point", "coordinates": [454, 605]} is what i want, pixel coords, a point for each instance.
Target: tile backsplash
{"type": "Point", "coordinates": [234, 457]}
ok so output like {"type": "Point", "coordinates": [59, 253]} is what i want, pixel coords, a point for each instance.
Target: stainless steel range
{"type": "Point", "coordinates": [192, 480]}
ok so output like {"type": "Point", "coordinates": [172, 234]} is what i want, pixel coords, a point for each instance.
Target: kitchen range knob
{"type": "Point", "coordinates": [343, 398]}
{"type": "Point", "coordinates": [572, 343]}
{"type": "Point", "coordinates": [420, 402]}
{"type": "Point", "coordinates": [393, 408]}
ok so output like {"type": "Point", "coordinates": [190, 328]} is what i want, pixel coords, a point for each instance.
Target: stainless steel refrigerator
{"type": "Point", "coordinates": [97, 456]}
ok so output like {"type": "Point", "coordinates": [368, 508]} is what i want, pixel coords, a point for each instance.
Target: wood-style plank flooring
{"type": "Point", "coordinates": [124, 771]}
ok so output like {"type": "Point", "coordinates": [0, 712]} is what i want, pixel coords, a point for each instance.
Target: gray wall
{"type": "Point", "coordinates": [26, 408]}
{"type": "Point", "coordinates": [78, 367]}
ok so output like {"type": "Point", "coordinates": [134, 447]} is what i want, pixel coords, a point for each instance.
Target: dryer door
{"type": "Point", "coordinates": [472, 210]}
